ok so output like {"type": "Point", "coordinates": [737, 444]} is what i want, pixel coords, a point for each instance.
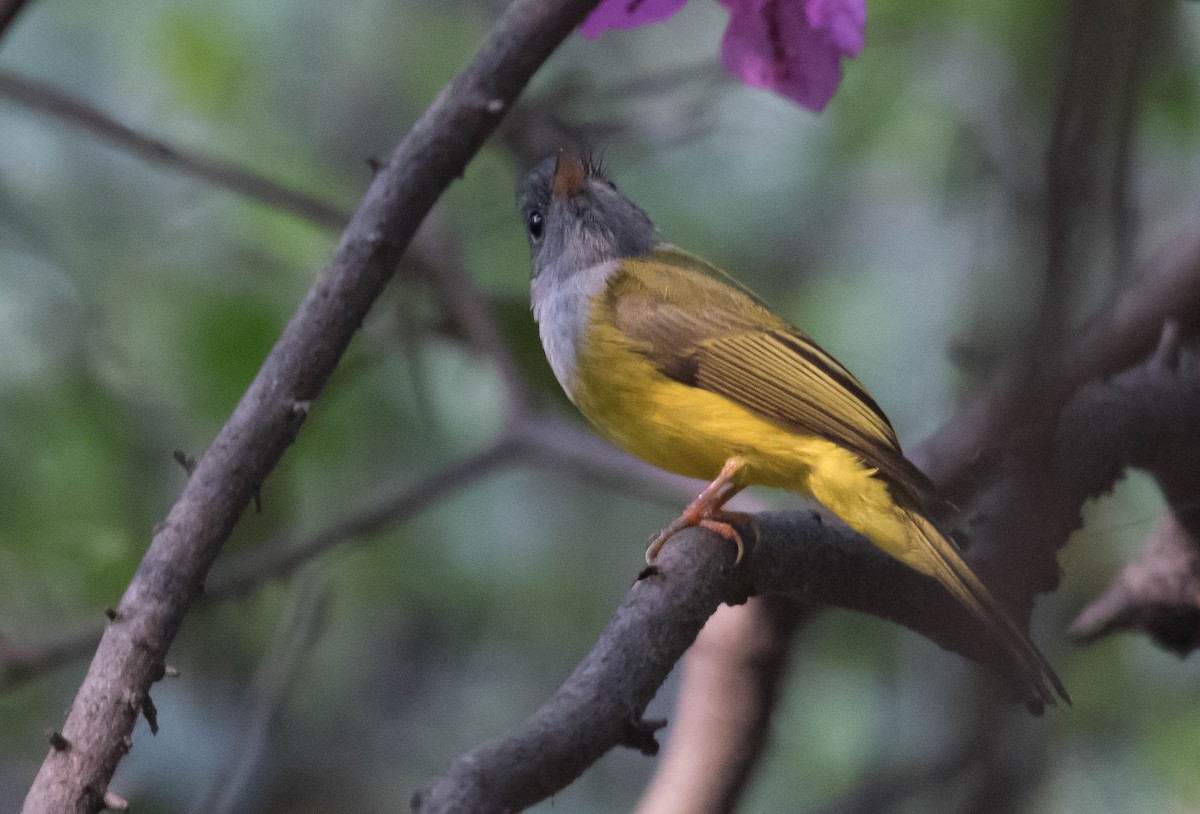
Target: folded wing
{"type": "Point", "coordinates": [727, 342]}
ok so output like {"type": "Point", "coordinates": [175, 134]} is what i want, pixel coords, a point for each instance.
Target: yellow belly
{"type": "Point", "coordinates": [682, 429]}
{"type": "Point", "coordinates": [686, 429]}
{"type": "Point", "coordinates": [693, 432]}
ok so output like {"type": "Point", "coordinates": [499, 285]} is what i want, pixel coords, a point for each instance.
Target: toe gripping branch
{"type": "Point", "coordinates": [706, 511]}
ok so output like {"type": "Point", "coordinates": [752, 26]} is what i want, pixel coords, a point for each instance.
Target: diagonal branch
{"type": "Point", "coordinates": [1120, 334]}
{"type": "Point", "coordinates": [1031, 519]}
{"type": "Point", "coordinates": [732, 677]}
{"type": "Point", "coordinates": [53, 102]}
{"type": "Point", "coordinates": [533, 440]}
{"type": "Point", "coordinates": [601, 704]}
{"type": "Point", "coordinates": [131, 653]}
{"type": "Point", "coordinates": [800, 555]}
{"type": "Point", "coordinates": [9, 11]}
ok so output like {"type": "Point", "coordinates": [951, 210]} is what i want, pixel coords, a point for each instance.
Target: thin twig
{"type": "Point", "coordinates": [461, 299]}
{"type": "Point", "coordinates": [226, 174]}
{"type": "Point", "coordinates": [434, 250]}
{"type": "Point", "coordinates": [535, 440]}
{"type": "Point", "coordinates": [131, 653]}
{"type": "Point", "coordinates": [556, 443]}
{"type": "Point", "coordinates": [293, 637]}
{"type": "Point", "coordinates": [23, 663]}
{"type": "Point", "coordinates": [277, 558]}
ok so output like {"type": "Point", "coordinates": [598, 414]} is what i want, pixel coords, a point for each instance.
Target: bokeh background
{"type": "Point", "coordinates": [904, 227]}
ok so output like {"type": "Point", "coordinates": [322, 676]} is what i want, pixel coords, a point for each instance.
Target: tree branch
{"type": "Point", "coordinates": [731, 681]}
{"type": "Point", "coordinates": [226, 174]}
{"type": "Point", "coordinates": [824, 563]}
{"type": "Point", "coordinates": [601, 704]}
{"type": "Point", "coordinates": [9, 11]}
{"type": "Point", "coordinates": [278, 557]}
{"type": "Point", "coordinates": [534, 439]}
{"type": "Point", "coordinates": [1159, 593]}
{"type": "Point", "coordinates": [1121, 333]}
{"type": "Point", "coordinates": [1026, 515]}
{"type": "Point", "coordinates": [132, 651]}
{"type": "Point", "coordinates": [798, 553]}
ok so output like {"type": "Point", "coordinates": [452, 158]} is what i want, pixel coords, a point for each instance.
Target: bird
{"type": "Point", "coordinates": [679, 363]}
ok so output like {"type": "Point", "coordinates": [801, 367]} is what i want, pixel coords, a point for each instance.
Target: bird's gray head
{"type": "Point", "coordinates": [575, 218]}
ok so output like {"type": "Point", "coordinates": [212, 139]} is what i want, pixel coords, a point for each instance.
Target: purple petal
{"type": "Point", "coordinates": [627, 14]}
{"type": "Point", "coordinates": [845, 21]}
{"type": "Point", "coordinates": [776, 44]}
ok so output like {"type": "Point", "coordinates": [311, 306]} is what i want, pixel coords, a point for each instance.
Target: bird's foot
{"type": "Point", "coordinates": [706, 511]}
{"type": "Point", "coordinates": [717, 521]}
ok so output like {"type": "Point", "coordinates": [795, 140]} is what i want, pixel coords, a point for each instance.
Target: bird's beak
{"type": "Point", "coordinates": [569, 175]}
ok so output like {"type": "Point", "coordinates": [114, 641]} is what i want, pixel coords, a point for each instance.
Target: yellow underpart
{"type": "Point", "coordinates": [693, 432]}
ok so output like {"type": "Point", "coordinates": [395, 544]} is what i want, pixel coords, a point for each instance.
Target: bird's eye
{"type": "Point", "coordinates": [536, 224]}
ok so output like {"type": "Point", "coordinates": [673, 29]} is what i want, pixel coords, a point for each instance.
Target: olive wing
{"type": "Point", "coordinates": [702, 329]}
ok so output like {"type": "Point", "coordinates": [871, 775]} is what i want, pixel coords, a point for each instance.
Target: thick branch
{"type": "Point", "coordinates": [132, 651]}
{"type": "Point", "coordinates": [1123, 332]}
{"type": "Point", "coordinates": [1159, 593]}
{"type": "Point", "coordinates": [1145, 417]}
{"type": "Point", "coordinates": [801, 555]}
{"type": "Point", "coordinates": [732, 676]}
{"type": "Point", "coordinates": [601, 704]}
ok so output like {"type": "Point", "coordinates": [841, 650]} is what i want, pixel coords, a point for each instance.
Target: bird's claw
{"type": "Point", "coordinates": [719, 523]}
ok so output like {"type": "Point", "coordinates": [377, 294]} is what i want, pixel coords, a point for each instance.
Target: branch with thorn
{"type": "Point", "coordinates": [131, 652]}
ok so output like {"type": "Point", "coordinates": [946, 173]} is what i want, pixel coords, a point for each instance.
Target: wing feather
{"type": "Point", "coordinates": [727, 342]}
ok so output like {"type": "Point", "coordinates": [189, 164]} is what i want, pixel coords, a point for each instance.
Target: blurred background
{"type": "Point", "coordinates": [908, 228]}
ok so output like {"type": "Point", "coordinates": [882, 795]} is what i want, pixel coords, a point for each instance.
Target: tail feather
{"type": "Point", "coordinates": [946, 565]}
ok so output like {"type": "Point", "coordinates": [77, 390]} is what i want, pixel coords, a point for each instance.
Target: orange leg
{"type": "Point", "coordinates": [706, 511]}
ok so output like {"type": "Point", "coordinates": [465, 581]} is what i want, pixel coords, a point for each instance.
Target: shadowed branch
{"type": "Point", "coordinates": [800, 555]}
{"type": "Point", "coordinates": [131, 653]}
{"type": "Point", "coordinates": [9, 11]}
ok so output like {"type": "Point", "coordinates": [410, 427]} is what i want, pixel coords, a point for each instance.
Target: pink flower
{"type": "Point", "coordinates": [627, 14]}
{"type": "Point", "coordinates": [793, 47]}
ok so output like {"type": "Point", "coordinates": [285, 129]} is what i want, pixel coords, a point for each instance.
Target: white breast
{"type": "Point", "coordinates": [561, 304]}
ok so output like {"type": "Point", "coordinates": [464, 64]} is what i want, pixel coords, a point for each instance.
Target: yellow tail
{"type": "Point", "coordinates": [932, 554]}
{"type": "Point", "coordinates": [870, 506]}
